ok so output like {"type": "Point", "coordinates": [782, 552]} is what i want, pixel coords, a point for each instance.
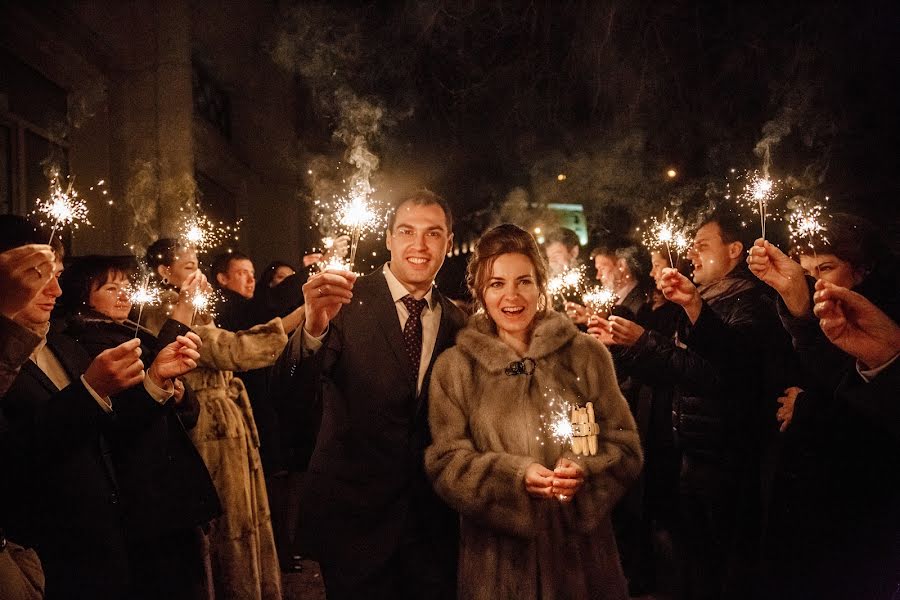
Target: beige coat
{"type": "Point", "coordinates": [487, 428]}
{"type": "Point", "coordinates": [242, 546]}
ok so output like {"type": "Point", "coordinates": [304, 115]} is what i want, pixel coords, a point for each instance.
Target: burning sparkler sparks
{"type": "Point", "coordinates": [201, 301]}
{"type": "Point", "coordinates": [599, 300]}
{"type": "Point", "coordinates": [669, 233]}
{"type": "Point", "coordinates": [334, 262]}
{"type": "Point", "coordinates": [359, 215]}
{"type": "Point", "coordinates": [556, 422]}
{"type": "Point", "coordinates": [570, 281]}
{"type": "Point", "coordinates": [142, 295]}
{"type": "Point", "coordinates": [758, 194]}
{"type": "Point", "coordinates": [202, 234]}
{"type": "Point", "coordinates": [62, 207]}
{"type": "Point", "coordinates": [804, 223]}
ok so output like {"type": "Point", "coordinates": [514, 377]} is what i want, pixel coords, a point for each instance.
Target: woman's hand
{"type": "Point", "coordinates": [195, 283]}
{"type": "Point", "coordinates": [539, 481]}
{"type": "Point", "coordinates": [175, 359]}
{"type": "Point", "coordinates": [568, 477]}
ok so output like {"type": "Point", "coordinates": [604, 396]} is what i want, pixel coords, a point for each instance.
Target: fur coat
{"type": "Point", "coordinates": [489, 426]}
{"type": "Point", "coordinates": [242, 546]}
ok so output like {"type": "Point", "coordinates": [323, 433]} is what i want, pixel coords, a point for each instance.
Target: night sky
{"type": "Point", "coordinates": [476, 99]}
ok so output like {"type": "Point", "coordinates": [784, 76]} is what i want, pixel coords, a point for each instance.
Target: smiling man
{"type": "Point", "coordinates": [367, 345]}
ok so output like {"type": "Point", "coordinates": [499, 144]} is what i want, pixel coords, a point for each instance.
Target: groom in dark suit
{"type": "Point", "coordinates": [367, 346]}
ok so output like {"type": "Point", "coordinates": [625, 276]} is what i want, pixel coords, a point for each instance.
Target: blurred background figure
{"type": "Point", "coordinates": [561, 246]}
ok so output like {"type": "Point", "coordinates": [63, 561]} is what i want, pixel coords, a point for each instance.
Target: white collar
{"type": "Point", "coordinates": [399, 291]}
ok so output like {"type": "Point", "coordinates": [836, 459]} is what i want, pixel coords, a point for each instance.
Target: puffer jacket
{"type": "Point", "coordinates": [727, 370]}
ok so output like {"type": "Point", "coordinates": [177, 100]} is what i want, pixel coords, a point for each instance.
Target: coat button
{"type": "Point", "coordinates": [114, 498]}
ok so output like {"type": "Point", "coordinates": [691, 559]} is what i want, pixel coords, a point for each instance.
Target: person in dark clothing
{"type": "Point", "coordinates": [279, 290]}
{"type": "Point", "coordinates": [624, 268]}
{"type": "Point", "coordinates": [375, 523]}
{"type": "Point", "coordinates": [717, 407]}
{"type": "Point", "coordinates": [64, 424]}
{"type": "Point", "coordinates": [836, 508]}
{"type": "Point", "coordinates": [166, 489]}
{"type": "Point", "coordinates": [652, 551]}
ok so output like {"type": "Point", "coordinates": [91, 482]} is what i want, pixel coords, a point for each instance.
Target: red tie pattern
{"type": "Point", "coordinates": [412, 333]}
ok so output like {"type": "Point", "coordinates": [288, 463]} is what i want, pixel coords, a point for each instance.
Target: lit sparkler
{"type": "Point", "coordinates": [556, 421]}
{"type": "Point", "coordinates": [666, 232]}
{"type": "Point", "coordinates": [570, 281]}
{"type": "Point", "coordinates": [334, 262]}
{"type": "Point", "coordinates": [599, 300]}
{"type": "Point", "coordinates": [758, 193]}
{"type": "Point", "coordinates": [201, 300]}
{"type": "Point", "coordinates": [199, 232]}
{"type": "Point", "coordinates": [142, 295]}
{"type": "Point", "coordinates": [62, 207]}
{"type": "Point", "coordinates": [804, 223]}
{"type": "Point", "coordinates": [359, 215]}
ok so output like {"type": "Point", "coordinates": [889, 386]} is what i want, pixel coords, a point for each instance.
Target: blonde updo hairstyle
{"type": "Point", "coordinates": [505, 239]}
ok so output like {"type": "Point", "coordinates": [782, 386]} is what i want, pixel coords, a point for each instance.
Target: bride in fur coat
{"type": "Point", "coordinates": [535, 517]}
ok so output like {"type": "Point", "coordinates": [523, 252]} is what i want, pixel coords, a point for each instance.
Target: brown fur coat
{"type": "Point", "coordinates": [487, 428]}
{"type": "Point", "coordinates": [241, 542]}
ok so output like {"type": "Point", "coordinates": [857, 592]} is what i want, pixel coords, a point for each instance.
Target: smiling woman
{"type": "Point", "coordinates": [98, 283]}
{"type": "Point", "coordinates": [535, 517]}
{"type": "Point", "coordinates": [508, 277]}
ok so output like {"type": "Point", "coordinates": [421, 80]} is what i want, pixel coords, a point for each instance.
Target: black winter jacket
{"type": "Point", "coordinates": [727, 369]}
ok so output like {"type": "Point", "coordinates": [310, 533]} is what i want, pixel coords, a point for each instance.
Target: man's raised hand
{"type": "Point", "coordinates": [24, 271]}
{"type": "Point", "coordinates": [774, 267]}
{"type": "Point", "coordinates": [324, 295]}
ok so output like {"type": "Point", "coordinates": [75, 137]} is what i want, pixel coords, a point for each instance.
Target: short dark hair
{"type": "Point", "coordinates": [16, 230]}
{"type": "Point", "coordinates": [732, 226]}
{"type": "Point", "coordinates": [564, 236]}
{"type": "Point", "coordinates": [422, 197]}
{"type": "Point", "coordinates": [505, 238]}
{"type": "Point", "coordinates": [222, 262]}
{"type": "Point", "coordinates": [86, 274]}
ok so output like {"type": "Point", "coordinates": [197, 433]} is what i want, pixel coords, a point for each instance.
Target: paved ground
{"type": "Point", "coordinates": [307, 585]}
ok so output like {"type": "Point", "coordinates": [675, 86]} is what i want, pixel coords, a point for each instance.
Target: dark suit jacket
{"type": "Point", "coordinates": [164, 483]}
{"type": "Point", "coordinates": [87, 485]}
{"type": "Point", "coordinates": [61, 495]}
{"type": "Point", "coordinates": [366, 488]}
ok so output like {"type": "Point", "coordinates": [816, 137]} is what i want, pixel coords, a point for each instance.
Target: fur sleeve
{"type": "Point", "coordinates": [252, 348]}
{"type": "Point", "coordinates": [484, 486]}
{"type": "Point", "coordinates": [619, 459]}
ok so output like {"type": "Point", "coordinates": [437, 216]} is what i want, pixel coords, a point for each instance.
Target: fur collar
{"type": "Point", "coordinates": [479, 340]}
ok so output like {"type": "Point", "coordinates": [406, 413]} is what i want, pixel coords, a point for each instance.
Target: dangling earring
{"type": "Point", "coordinates": [542, 303]}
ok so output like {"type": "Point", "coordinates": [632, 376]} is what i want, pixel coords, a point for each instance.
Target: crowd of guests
{"type": "Point", "coordinates": [745, 403]}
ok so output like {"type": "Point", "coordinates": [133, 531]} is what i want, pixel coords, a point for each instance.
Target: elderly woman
{"type": "Point", "coordinates": [535, 516]}
{"type": "Point", "coordinates": [242, 547]}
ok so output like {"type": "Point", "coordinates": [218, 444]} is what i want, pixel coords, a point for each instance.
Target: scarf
{"type": "Point", "coordinates": [738, 280]}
